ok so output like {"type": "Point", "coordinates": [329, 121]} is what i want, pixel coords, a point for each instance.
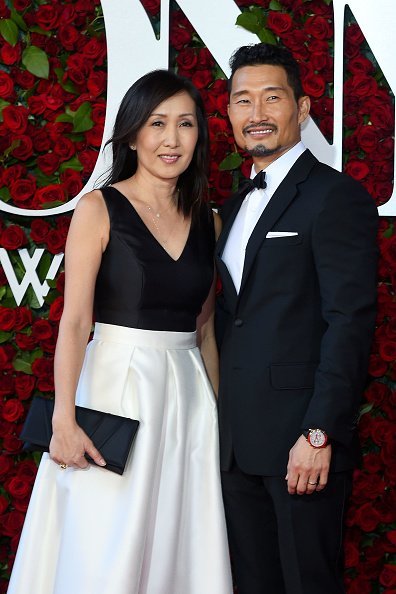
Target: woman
{"type": "Point", "coordinates": [140, 256]}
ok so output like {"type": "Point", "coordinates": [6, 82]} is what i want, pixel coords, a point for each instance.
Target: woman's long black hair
{"type": "Point", "coordinates": [136, 107]}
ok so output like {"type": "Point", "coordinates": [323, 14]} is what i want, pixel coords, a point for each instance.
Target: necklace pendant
{"type": "Point", "coordinates": [158, 215]}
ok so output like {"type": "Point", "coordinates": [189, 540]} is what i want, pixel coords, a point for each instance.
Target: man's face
{"type": "Point", "coordinates": [264, 114]}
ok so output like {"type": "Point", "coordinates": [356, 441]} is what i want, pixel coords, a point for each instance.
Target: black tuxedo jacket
{"type": "Point", "coordinates": [295, 341]}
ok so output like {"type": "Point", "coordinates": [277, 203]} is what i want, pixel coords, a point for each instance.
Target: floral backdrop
{"type": "Point", "coordinates": [52, 111]}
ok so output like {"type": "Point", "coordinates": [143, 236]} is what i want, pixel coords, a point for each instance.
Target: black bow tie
{"type": "Point", "coordinates": [257, 183]}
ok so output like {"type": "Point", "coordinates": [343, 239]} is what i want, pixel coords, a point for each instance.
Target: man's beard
{"type": "Point", "coordinates": [262, 151]}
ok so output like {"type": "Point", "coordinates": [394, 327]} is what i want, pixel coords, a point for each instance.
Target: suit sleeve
{"type": "Point", "coordinates": [345, 255]}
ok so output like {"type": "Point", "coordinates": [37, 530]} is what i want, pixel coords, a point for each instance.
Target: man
{"type": "Point", "coordinates": [297, 258]}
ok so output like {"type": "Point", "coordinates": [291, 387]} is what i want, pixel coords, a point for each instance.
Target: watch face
{"type": "Point", "coordinates": [317, 438]}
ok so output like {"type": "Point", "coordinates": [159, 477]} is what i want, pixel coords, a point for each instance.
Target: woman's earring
{"type": "Point", "coordinates": [133, 147]}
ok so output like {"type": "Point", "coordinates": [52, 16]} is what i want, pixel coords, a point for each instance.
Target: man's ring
{"type": "Point", "coordinates": [63, 466]}
{"type": "Point", "coordinates": [309, 483]}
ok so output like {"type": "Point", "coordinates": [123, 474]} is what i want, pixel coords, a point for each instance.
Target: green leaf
{"type": "Point", "coordinates": [5, 336]}
{"type": "Point", "coordinates": [3, 291]}
{"type": "Point", "coordinates": [82, 118]}
{"type": "Point", "coordinates": [43, 267]}
{"type": "Point", "coordinates": [16, 17]}
{"type": "Point", "coordinates": [275, 5]}
{"type": "Point", "coordinates": [365, 408]}
{"type": "Point", "coordinates": [63, 117]}
{"type": "Point", "coordinates": [232, 161]}
{"type": "Point", "coordinates": [68, 86]}
{"type": "Point", "coordinates": [46, 205]}
{"type": "Point", "coordinates": [72, 163]}
{"type": "Point", "coordinates": [44, 180]}
{"type": "Point", "coordinates": [9, 31]}
{"type": "Point", "coordinates": [5, 194]}
{"type": "Point", "coordinates": [3, 104]}
{"type": "Point", "coordinates": [51, 283]}
{"type": "Point", "coordinates": [36, 61]}
{"type": "Point", "coordinates": [21, 365]}
{"type": "Point", "coordinates": [39, 30]}
{"type": "Point", "coordinates": [266, 36]}
{"type": "Point", "coordinates": [388, 232]}
{"type": "Point", "coordinates": [248, 21]}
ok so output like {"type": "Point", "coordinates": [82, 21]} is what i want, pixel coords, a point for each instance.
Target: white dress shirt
{"type": "Point", "coordinates": [251, 210]}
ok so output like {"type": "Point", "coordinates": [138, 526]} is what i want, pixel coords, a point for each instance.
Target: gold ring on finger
{"type": "Point", "coordinates": [63, 466]}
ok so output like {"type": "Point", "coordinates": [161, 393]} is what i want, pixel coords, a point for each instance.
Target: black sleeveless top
{"type": "Point", "coordinates": [139, 284]}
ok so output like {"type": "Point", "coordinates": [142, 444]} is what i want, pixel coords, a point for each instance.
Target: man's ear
{"type": "Point", "coordinates": [304, 105]}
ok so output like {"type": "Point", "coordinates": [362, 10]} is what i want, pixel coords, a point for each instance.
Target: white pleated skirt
{"type": "Point", "coordinates": [157, 529]}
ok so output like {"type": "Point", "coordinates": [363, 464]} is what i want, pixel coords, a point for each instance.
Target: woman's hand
{"type": "Point", "coordinates": [69, 444]}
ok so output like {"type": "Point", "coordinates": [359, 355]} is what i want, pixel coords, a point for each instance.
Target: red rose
{"type": "Point", "coordinates": [56, 308]}
{"type": "Point", "coordinates": [25, 342]}
{"type": "Point", "coordinates": [63, 224]}
{"type": "Point", "coordinates": [36, 104]}
{"type": "Point", "coordinates": [98, 114]}
{"type": "Point", "coordinates": [18, 487]}
{"type": "Point", "coordinates": [72, 182]}
{"type": "Point", "coordinates": [152, 6]}
{"type": "Point", "coordinates": [15, 118]}
{"type": "Point", "coordinates": [41, 330]}
{"type": "Point", "coordinates": [388, 576]}
{"type": "Point", "coordinates": [64, 148]}
{"type": "Point", "coordinates": [23, 317]}
{"type": "Point", "coordinates": [6, 464]}
{"type": "Point", "coordinates": [68, 36]}
{"type": "Point", "coordinates": [13, 237]}
{"type": "Point", "coordinates": [217, 127]}
{"type": "Point", "coordinates": [39, 230]}
{"type": "Point", "coordinates": [12, 410]}
{"type": "Point", "coordinates": [179, 37]}
{"type": "Point", "coordinates": [387, 350]}
{"type": "Point", "coordinates": [318, 27]}
{"type": "Point", "coordinates": [368, 138]}
{"type": "Point", "coordinates": [296, 41]}
{"type": "Point", "coordinates": [21, 4]}
{"type": "Point", "coordinates": [187, 58]}
{"type": "Point", "coordinates": [353, 34]}
{"type": "Point", "coordinates": [48, 163]}
{"type": "Point", "coordinates": [372, 463]}
{"type": "Point", "coordinates": [96, 83]}
{"type": "Point", "coordinates": [42, 367]}
{"type": "Point", "coordinates": [222, 182]}
{"type": "Point", "coordinates": [7, 318]}
{"type": "Point", "coordinates": [357, 169]}
{"type": "Point", "coordinates": [7, 353]}
{"type": "Point", "coordinates": [47, 17]}
{"type": "Point", "coordinates": [279, 22]}
{"type": "Point", "coordinates": [95, 49]}
{"type": "Point", "coordinates": [23, 78]}
{"type": "Point", "coordinates": [351, 554]}
{"type": "Point", "coordinates": [94, 135]}
{"type": "Point", "coordinates": [3, 504]}
{"type": "Point", "coordinates": [361, 86]}
{"type": "Point", "coordinates": [6, 86]}
{"type": "Point", "coordinates": [10, 54]}
{"type": "Point", "coordinates": [367, 517]}
{"type": "Point", "coordinates": [7, 385]}
{"type": "Point", "coordinates": [24, 150]}
{"type": "Point", "coordinates": [23, 189]}
{"type": "Point", "coordinates": [12, 523]}
{"type": "Point", "coordinates": [60, 283]}
{"type": "Point", "coordinates": [51, 193]}
{"type": "Point", "coordinates": [24, 386]}
{"type": "Point", "coordinates": [314, 85]}
{"type": "Point", "coordinates": [88, 159]}
{"type": "Point", "coordinates": [202, 78]}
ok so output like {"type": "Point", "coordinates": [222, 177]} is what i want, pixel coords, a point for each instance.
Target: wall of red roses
{"type": "Point", "coordinates": [52, 110]}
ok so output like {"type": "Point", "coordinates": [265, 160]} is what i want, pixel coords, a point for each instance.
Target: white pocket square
{"type": "Point", "coordinates": [273, 234]}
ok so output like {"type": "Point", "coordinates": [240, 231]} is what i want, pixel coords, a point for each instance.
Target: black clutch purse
{"type": "Point", "coordinates": [112, 435]}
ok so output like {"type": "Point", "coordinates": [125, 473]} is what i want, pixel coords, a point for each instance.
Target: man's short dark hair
{"type": "Point", "coordinates": [273, 55]}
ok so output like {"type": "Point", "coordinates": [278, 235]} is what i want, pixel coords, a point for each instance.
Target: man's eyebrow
{"type": "Point", "coordinates": [266, 89]}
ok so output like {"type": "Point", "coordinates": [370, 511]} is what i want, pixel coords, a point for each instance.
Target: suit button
{"type": "Point", "coordinates": [238, 322]}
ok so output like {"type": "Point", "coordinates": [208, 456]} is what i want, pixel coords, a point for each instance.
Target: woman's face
{"type": "Point", "coordinates": [166, 142]}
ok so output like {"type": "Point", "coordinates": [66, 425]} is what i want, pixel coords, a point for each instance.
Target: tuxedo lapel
{"type": "Point", "coordinates": [279, 202]}
{"type": "Point", "coordinates": [229, 218]}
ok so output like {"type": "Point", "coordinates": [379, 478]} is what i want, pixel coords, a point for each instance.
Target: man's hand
{"type": "Point", "coordinates": [308, 468]}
